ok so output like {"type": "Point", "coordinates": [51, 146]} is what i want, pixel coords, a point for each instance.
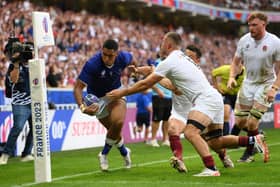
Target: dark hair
{"type": "Point", "coordinates": [111, 44]}
{"type": "Point", "coordinates": [175, 37]}
{"type": "Point", "coordinates": [194, 49]}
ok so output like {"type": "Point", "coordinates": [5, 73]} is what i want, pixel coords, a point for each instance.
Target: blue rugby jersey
{"type": "Point", "coordinates": [101, 79]}
{"type": "Point", "coordinates": [143, 101]}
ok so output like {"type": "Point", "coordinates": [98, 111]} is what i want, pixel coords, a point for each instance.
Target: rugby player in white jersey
{"type": "Point", "coordinates": [259, 51]}
{"type": "Point", "coordinates": [177, 122]}
{"type": "Point", "coordinates": [206, 113]}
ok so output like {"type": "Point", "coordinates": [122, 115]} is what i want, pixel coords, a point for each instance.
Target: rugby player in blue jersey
{"type": "Point", "coordinates": [101, 74]}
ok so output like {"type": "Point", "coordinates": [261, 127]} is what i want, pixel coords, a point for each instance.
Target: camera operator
{"type": "Point", "coordinates": [18, 77]}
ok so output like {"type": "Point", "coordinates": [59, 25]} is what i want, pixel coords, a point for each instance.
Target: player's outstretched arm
{"type": "Point", "coordinates": [140, 86]}
{"type": "Point", "coordinates": [165, 82]}
{"type": "Point", "coordinates": [145, 70]}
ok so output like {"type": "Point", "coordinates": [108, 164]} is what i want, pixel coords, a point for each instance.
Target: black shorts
{"type": "Point", "coordinates": [230, 100]}
{"type": "Point", "coordinates": [143, 119]}
{"type": "Point", "coordinates": [161, 108]}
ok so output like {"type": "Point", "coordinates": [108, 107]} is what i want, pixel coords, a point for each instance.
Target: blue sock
{"type": "Point", "coordinates": [123, 150]}
{"type": "Point", "coordinates": [106, 149]}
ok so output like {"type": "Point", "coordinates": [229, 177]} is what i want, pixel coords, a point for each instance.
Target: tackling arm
{"type": "Point", "coordinates": [143, 84]}
{"type": "Point", "coordinates": [165, 82]}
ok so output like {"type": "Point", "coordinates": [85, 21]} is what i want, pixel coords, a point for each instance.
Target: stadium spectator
{"type": "Point", "coordinates": [245, 4]}
{"type": "Point", "coordinates": [143, 114]}
{"type": "Point", "coordinates": [54, 78]}
{"type": "Point", "coordinates": [259, 51]}
{"type": "Point", "coordinates": [220, 77]}
{"type": "Point", "coordinates": [205, 114]}
{"type": "Point", "coordinates": [18, 81]}
{"type": "Point", "coordinates": [100, 74]}
{"type": "Point", "coordinates": [90, 30]}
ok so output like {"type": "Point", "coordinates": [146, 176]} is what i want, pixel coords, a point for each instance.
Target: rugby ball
{"type": "Point", "coordinates": [90, 99]}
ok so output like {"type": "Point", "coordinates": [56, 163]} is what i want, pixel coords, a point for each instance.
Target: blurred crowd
{"type": "Point", "coordinates": [272, 5]}
{"type": "Point", "coordinates": [78, 35]}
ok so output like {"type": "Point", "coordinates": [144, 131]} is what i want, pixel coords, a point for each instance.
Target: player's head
{"type": "Point", "coordinates": [109, 52]}
{"type": "Point", "coordinates": [170, 42]}
{"type": "Point", "coordinates": [194, 53]}
{"type": "Point", "coordinates": [257, 22]}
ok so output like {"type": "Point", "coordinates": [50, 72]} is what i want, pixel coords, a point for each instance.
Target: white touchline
{"type": "Point", "coordinates": [133, 165]}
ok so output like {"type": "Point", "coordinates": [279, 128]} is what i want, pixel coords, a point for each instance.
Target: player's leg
{"type": "Point", "coordinates": [113, 122]}
{"type": "Point", "coordinates": [211, 134]}
{"type": "Point", "coordinates": [117, 111]}
{"type": "Point", "coordinates": [241, 114]}
{"type": "Point", "coordinates": [229, 102]}
{"type": "Point", "coordinates": [146, 122]}
{"type": "Point", "coordinates": [259, 107]}
{"type": "Point", "coordinates": [166, 114]}
{"type": "Point", "coordinates": [176, 127]}
{"type": "Point", "coordinates": [156, 118]}
{"type": "Point", "coordinates": [139, 123]}
{"type": "Point", "coordinates": [230, 141]}
{"type": "Point", "coordinates": [197, 122]}
{"type": "Point", "coordinates": [227, 111]}
{"type": "Point", "coordinates": [256, 114]}
{"type": "Point", "coordinates": [155, 127]}
{"type": "Point", "coordinates": [165, 138]}
{"type": "Point", "coordinates": [243, 105]}
{"type": "Point", "coordinates": [207, 111]}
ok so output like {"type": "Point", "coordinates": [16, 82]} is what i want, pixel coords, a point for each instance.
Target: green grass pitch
{"type": "Point", "coordinates": [150, 168]}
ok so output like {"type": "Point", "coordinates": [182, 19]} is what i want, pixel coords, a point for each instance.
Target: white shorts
{"type": "Point", "coordinates": [210, 104]}
{"type": "Point", "coordinates": [180, 108]}
{"type": "Point", "coordinates": [249, 93]}
{"type": "Point", "coordinates": [103, 110]}
{"type": "Point", "coordinates": [103, 107]}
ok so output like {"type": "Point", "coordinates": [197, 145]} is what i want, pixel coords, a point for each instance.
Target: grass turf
{"type": "Point", "coordinates": [150, 168]}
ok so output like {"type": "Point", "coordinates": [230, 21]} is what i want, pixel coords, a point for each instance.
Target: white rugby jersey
{"type": "Point", "coordinates": [258, 57]}
{"type": "Point", "coordinates": [185, 75]}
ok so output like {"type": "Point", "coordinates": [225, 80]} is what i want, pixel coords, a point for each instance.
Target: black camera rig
{"type": "Point", "coordinates": [17, 51]}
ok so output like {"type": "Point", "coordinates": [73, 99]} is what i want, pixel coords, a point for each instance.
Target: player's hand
{"type": "Point", "coordinates": [132, 68]}
{"type": "Point", "coordinates": [176, 91]}
{"type": "Point", "coordinates": [116, 94]}
{"type": "Point", "coordinates": [92, 109]}
{"type": "Point", "coordinates": [231, 83]}
{"type": "Point", "coordinates": [270, 95]}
